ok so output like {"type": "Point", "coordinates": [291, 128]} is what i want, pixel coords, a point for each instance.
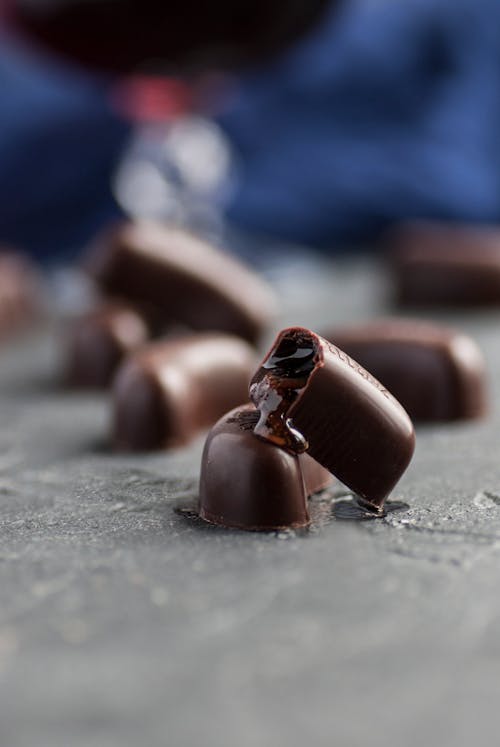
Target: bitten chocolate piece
{"type": "Point", "coordinates": [445, 265]}
{"type": "Point", "coordinates": [436, 373]}
{"type": "Point", "coordinates": [98, 341]}
{"type": "Point", "coordinates": [187, 280]}
{"type": "Point", "coordinates": [168, 391]}
{"type": "Point", "coordinates": [313, 397]}
{"type": "Point", "coordinates": [250, 483]}
{"type": "Point", "coordinates": [20, 292]}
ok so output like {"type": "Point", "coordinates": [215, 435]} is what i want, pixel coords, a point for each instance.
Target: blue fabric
{"type": "Point", "coordinates": [59, 143]}
{"type": "Point", "coordinates": [390, 110]}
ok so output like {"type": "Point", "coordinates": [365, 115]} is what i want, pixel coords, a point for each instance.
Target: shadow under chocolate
{"type": "Point", "coordinates": [323, 507]}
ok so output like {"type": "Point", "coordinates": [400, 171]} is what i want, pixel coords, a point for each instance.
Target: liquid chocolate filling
{"type": "Point", "coordinates": [278, 383]}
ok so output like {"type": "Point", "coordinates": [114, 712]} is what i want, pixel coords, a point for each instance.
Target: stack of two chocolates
{"type": "Point", "coordinates": [315, 413]}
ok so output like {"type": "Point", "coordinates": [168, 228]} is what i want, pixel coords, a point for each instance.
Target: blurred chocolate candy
{"type": "Point", "coordinates": [185, 279]}
{"type": "Point", "coordinates": [20, 292]}
{"type": "Point", "coordinates": [98, 341]}
{"type": "Point", "coordinates": [313, 397]}
{"type": "Point", "coordinates": [437, 264]}
{"type": "Point", "coordinates": [166, 392]}
{"type": "Point", "coordinates": [436, 373]}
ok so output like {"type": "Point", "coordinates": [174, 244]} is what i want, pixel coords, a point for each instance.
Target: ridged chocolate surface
{"type": "Point", "coordinates": [187, 280]}
{"type": "Point", "coordinates": [354, 427]}
{"type": "Point", "coordinates": [435, 372]}
{"type": "Point", "coordinates": [167, 391]}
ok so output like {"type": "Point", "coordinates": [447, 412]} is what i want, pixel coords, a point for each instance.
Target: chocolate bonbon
{"type": "Point", "coordinates": [167, 391]}
{"type": "Point", "coordinates": [313, 397]}
{"type": "Point", "coordinates": [184, 278]}
{"type": "Point", "coordinates": [445, 265]}
{"type": "Point", "coordinates": [20, 292]}
{"type": "Point", "coordinates": [98, 341]}
{"type": "Point", "coordinates": [249, 483]}
{"type": "Point", "coordinates": [436, 373]}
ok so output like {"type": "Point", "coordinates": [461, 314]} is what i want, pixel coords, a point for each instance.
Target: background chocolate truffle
{"type": "Point", "coordinates": [168, 391]}
{"type": "Point", "coordinates": [185, 279]}
{"type": "Point", "coordinates": [21, 292]}
{"type": "Point", "coordinates": [437, 264]}
{"type": "Point", "coordinates": [436, 373]}
{"type": "Point", "coordinates": [97, 342]}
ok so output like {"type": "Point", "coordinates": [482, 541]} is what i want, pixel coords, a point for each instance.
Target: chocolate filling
{"type": "Point", "coordinates": [276, 386]}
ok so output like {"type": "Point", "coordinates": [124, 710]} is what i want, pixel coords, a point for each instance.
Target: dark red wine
{"type": "Point", "coordinates": [123, 35]}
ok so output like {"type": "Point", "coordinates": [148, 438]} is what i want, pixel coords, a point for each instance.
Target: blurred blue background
{"type": "Point", "coordinates": [59, 144]}
{"type": "Point", "coordinates": [390, 110]}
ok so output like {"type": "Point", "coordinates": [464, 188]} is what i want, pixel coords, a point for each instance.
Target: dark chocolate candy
{"type": "Point", "coordinates": [187, 280]}
{"type": "Point", "coordinates": [436, 373]}
{"type": "Point", "coordinates": [314, 397]}
{"type": "Point", "coordinates": [166, 392]}
{"type": "Point", "coordinates": [244, 419]}
{"type": "Point", "coordinates": [98, 341]}
{"type": "Point", "coordinates": [445, 265]}
{"type": "Point", "coordinates": [250, 483]}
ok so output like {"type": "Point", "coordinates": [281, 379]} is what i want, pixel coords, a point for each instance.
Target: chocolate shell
{"type": "Point", "coordinates": [313, 397]}
{"type": "Point", "coordinates": [436, 373]}
{"type": "Point", "coordinates": [247, 482]}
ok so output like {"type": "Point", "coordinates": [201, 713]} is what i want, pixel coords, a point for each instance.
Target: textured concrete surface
{"type": "Point", "coordinates": [125, 623]}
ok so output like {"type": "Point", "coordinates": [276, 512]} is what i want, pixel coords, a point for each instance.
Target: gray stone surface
{"type": "Point", "coordinates": [124, 623]}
